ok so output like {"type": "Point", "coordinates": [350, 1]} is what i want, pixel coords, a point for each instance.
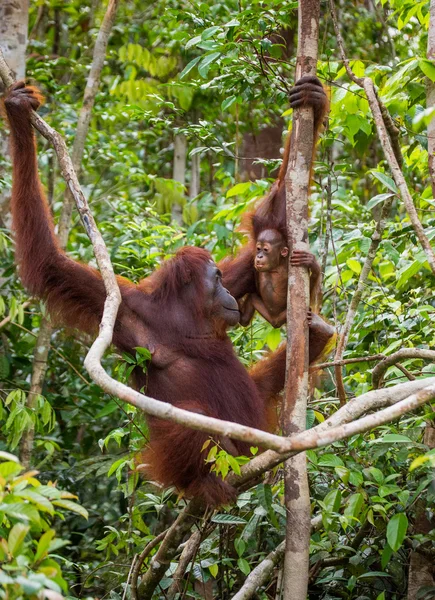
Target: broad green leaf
{"type": "Point", "coordinates": [264, 493]}
{"type": "Point", "coordinates": [273, 339]}
{"type": "Point", "coordinates": [240, 546]}
{"type": "Point", "coordinates": [333, 501]}
{"type": "Point", "coordinates": [16, 538]}
{"type": "Point", "coordinates": [243, 565]}
{"type": "Point", "coordinates": [228, 102]}
{"type": "Point", "coordinates": [354, 505]}
{"type": "Point", "coordinates": [191, 65]}
{"type": "Point", "coordinates": [233, 464]}
{"type": "Point", "coordinates": [192, 42]}
{"type": "Point", "coordinates": [396, 530]}
{"type": "Point", "coordinates": [107, 410]}
{"type": "Point", "coordinates": [427, 67]}
{"type": "Point", "coordinates": [43, 544]}
{"type": "Point", "coordinates": [406, 274]}
{"type": "Point", "coordinates": [214, 570]}
{"type": "Point", "coordinates": [206, 63]}
{"type": "Point", "coordinates": [385, 180]}
{"type": "Point", "coordinates": [378, 199]}
{"type": "Point", "coordinates": [330, 460]}
{"type": "Point", "coordinates": [72, 506]}
{"type": "Point", "coordinates": [354, 265]}
{"type": "Point", "coordinates": [238, 189]}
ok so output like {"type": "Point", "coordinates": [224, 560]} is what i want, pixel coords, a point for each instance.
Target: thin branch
{"type": "Point", "coordinates": [161, 560]}
{"type": "Point", "coordinates": [139, 562]}
{"type": "Point", "coordinates": [261, 574]}
{"type": "Point", "coordinates": [356, 298]}
{"type": "Point", "coordinates": [7, 319]}
{"type": "Point", "coordinates": [346, 361]}
{"type": "Point", "coordinates": [388, 361]}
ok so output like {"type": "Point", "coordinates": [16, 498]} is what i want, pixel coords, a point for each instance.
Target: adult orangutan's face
{"type": "Point", "coordinates": [218, 300]}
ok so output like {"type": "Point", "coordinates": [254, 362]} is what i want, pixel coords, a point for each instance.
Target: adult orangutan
{"type": "Point", "coordinates": [180, 313]}
{"type": "Point", "coordinates": [257, 276]}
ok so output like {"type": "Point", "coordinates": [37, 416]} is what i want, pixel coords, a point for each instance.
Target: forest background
{"type": "Point", "coordinates": [185, 132]}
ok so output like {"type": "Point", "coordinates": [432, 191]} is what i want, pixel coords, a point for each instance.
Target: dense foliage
{"type": "Point", "coordinates": [218, 72]}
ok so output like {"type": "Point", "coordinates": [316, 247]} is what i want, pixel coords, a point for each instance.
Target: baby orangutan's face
{"type": "Point", "coordinates": [270, 250]}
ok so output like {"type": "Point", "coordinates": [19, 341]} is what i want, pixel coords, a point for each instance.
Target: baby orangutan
{"type": "Point", "coordinates": [270, 264]}
{"type": "Point", "coordinates": [270, 299]}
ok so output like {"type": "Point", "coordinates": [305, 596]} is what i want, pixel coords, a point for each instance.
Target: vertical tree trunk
{"type": "Point", "coordinates": [194, 176]}
{"type": "Point", "coordinates": [14, 21]}
{"type": "Point", "coordinates": [297, 496]}
{"type": "Point", "coordinates": [40, 356]}
{"type": "Point", "coordinates": [179, 172]}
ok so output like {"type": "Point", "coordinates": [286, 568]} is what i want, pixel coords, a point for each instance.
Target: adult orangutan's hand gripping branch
{"type": "Point", "coordinates": [257, 276]}
{"type": "Point", "coordinates": [180, 313]}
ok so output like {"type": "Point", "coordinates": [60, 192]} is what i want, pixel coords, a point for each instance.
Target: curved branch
{"type": "Point", "coordinates": [139, 562]}
{"type": "Point", "coordinates": [389, 361]}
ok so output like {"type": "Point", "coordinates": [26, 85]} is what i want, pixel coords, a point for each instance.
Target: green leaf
{"type": "Point", "coordinates": [264, 493]}
{"type": "Point", "coordinates": [191, 65]}
{"type": "Point", "coordinates": [16, 538]}
{"type": "Point", "coordinates": [377, 200]}
{"type": "Point", "coordinates": [240, 546]}
{"type": "Point", "coordinates": [239, 188]}
{"type": "Point", "coordinates": [273, 339]}
{"type": "Point", "coordinates": [406, 274]}
{"type": "Point", "coordinates": [243, 565]}
{"type": "Point", "coordinates": [354, 505]}
{"type": "Point", "coordinates": [330, 460]}
{"type": "Point", "coordinates": [192, 42]}
{"type": "Point", "coordinates": [226, 519]}
{"type": "Point", "coordinates": [393, 438]}
{"type": "Point", "coordinates": [43, 544]}
{"type": "Point", "coordinates": [107, 410]}
{"type": "Point", "coordinates": [332, 501]}
{"type": "Point", "coordinates": [354, 265]}
{"type": "Point", "coordinates": [228, 102]}
{"type": "Point", "coordinates": [72, 506]}
{"type": "Point", "coordinates": [385, 180]}
{"type": "Point", "coordinates": [427, 67]}
{"type": "Point", "coordinates": [205, 64]}
{"type": "Point", "coordinates": [396, 530]}
{"type": "Point", "coordinates": [38, 500]}
{"type": "Point", "coordinates": [214, 570]}
{"type": "Point", "coordinates": [356, 478]}
{"type": "Point", "coordinates": [233, 464]}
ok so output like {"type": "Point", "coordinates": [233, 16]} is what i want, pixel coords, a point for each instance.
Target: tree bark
{"type": "Point", "coordinates": [194, 187]}
{"type": "Point", "coordinates": [179, 172]}
{"type": "Point", "coordinates": [14, 21]}
{"type": "Point", "coordinates": [297, 181]}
